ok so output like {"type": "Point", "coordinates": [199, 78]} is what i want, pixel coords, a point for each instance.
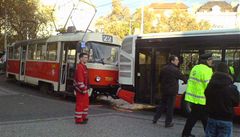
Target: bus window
{"type": "Point", "coordinates": [189, 60]}
{"type": "Point", "coordinates": [16, 51]}
{"type": "Point", "coordinates": [127, 45]}
{"type": "Point", "coordinates": [217, 56]}
{"type": "Point", "coordinates": [52, 51]}
{"type": "Point", "coordinates": [41, 52]}
{"type": "Point", "coordinates": [10, 53]}
{"type": "Point", "coordinates": [232, 58]}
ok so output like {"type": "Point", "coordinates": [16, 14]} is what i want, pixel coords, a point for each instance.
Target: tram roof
{"type": "Point", "coordinates": [90, 36]}
{"type": "Point", "coordinates": [189, 33]}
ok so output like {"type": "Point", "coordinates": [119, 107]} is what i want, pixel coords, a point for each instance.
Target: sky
{"type": "Point", "coordinates": [84, 13]}
{"type": "Point", "coordinates": [104, 6]}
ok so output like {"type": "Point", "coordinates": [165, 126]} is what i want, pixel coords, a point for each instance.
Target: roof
{"type": "Point", "coordinates": [168, 5]}
{"type": "Point", "coordinates": [209, 5]}
{"type": "Point", "coordinates": [189, 33]}
{"type": "Point", "coordinates": [77, 36]}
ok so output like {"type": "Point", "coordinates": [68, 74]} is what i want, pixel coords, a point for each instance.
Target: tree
{"type": "Point", "coordinates": [23, 18]}
{"type": "Point", "coordinates": [149, 18]}
{"type": "Point", "coordinates": [180, 21]}
{"type": "Point", "coordinates": [116, 23]}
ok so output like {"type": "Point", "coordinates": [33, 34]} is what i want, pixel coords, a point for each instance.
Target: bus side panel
{"type": "Point", "coordinates": [237, 110]}
{"type": "Point", "coordinates": [43, 70]}
{"type": "Point", "coordinates": [13, 66]}
{"type": "Point", "coordinates": [178, 101]}
{"type": "Point", "coordinates": [108, 77]}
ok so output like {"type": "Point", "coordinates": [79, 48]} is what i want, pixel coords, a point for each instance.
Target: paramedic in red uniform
{"type": "Point", "coordinates": [81, 90]}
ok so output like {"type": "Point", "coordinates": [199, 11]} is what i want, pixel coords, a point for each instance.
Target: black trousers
{"type": "Point", "coordinates": [198, 112]}
{"type": "Point", "coordinates": [166, 103]}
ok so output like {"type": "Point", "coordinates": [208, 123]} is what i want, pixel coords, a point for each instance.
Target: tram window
{"type": "Point", "coordinates": [232, 58]}
{"type": "Point", "coordinates": [52, 51]}
{"type": "Point", "coordinates": [31, 51]}
{"type": "Point", "coordinates": [217, 56]}
{"type": "Point", "coordinates": [71, 55]}
{"type": "Point", "coordinates": [41, 52]}
{"type": "Point", "coordinates": [102, 53]}
{"type": "Point", "coordinates": [10, 53]}
{"type": "Point", "coordinates": [16, 51]}
{"type": "Point", "coordinates": [189, 60]}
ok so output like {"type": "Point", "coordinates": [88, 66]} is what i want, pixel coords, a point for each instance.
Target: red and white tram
{"type": "Point", "coordinates": [50, 63]}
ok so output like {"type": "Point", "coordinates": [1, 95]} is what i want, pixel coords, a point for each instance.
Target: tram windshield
{"type": "Point", "coordinates": [102, 53]}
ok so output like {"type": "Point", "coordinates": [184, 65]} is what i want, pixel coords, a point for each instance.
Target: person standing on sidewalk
{"type": "Point", "coordinates": [169, 77]}
{"type": "Point", "coordinates": [221, 96]}
{"type": "Point", "coordinates": [81, 90]}
{"type": "Point", "coordinates": [199, 78]}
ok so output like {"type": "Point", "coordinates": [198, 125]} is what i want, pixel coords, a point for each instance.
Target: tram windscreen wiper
{"type": "Point", "coordinates": [100, 61]}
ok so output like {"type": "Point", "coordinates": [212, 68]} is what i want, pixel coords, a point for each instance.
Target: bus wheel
{"type": "Point", "coordinates": [46, 88]}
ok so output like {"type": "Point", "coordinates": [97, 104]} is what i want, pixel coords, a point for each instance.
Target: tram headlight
{"type": "Point", "coordinates": [98, 79]}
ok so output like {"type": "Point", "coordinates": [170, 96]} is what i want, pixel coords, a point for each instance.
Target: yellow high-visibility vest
{"type": "Point", "coordinates": [232, 72]}
{"type": "Point", "coordinates": [198, 80]}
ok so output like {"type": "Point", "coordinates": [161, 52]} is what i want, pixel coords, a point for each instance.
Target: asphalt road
{"type": "Point", "coordinates": [26, 112]}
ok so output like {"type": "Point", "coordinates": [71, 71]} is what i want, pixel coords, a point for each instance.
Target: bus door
{"type": "Point", "coordinates": [144, 75]}
{"type": "Point", "coordinates": [148, 65]}
{"type": "Point", "coordinates": [68, 64]}
{"type": "Point", "coordinates": [161, 58]}
{"type": "Point", "coordinates": [23, 49]}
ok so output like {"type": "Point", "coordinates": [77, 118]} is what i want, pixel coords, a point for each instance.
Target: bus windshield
{"type": "Point", "coordinates": [102, 53]}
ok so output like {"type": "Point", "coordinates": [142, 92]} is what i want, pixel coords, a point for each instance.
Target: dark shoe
{"type": "Point", "coordinates": [169, 125]}
{"type": "Point", "coordinates": [83, 122]}
{"type": "Point", "coordinates": [154, 121]}
{"type": "Point", "coordinates": [86, 120]}
{"type": "Point", "coordinates": [191, 135]}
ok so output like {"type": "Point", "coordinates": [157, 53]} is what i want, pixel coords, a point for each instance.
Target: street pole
{"type": "Point", "coordinates": [130, 29]}
{"type": "Point", "coordinates": [142, 18]}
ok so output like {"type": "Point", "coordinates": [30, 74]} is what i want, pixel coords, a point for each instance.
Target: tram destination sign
{"type": "Point", "coordinates": [107, 38]}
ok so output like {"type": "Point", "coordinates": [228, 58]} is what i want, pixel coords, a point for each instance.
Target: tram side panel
{"type": "Point", "coordinates": [13, 69]}
{"type": "Point", "coordinates": [42, 71]}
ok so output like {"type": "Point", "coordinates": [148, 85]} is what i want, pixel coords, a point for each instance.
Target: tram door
{"type": "Point", "coordinates": [23, 50]}
{"type": "Point", "coordinates": [68, 64]}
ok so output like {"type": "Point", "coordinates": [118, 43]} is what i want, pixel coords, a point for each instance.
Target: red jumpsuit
{"type": "Point", "coordinates": [82, 99]}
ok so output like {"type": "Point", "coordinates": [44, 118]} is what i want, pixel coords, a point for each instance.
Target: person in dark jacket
{"type": "Point", "coordinates": [221, 97]}
{"type": "Point", "coordinates": [169, 76]}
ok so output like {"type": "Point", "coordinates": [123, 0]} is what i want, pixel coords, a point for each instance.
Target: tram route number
{"type": "Point", "coordinates": [107, 38]}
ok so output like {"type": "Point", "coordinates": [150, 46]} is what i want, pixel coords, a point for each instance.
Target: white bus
{"type": "Point", "coordinates": [142, 57]}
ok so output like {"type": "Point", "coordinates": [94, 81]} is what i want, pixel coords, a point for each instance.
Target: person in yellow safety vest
{"type": "Point", "coordinates": [231, 69]}
{"type": "Point", "coordinates": [232, 72]}
{"type": "Point", "coordinates": [199, 78]}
